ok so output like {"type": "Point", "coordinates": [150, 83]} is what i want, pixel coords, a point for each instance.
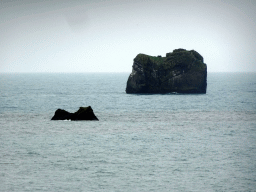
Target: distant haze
{"type": "Point", "coordinates": [106, 35]}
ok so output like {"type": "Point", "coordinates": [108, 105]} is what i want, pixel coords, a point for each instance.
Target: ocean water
{"type": "Point", "coordinates": [162, 142]}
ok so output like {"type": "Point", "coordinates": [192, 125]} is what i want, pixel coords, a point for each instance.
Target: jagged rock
{"type": "Point", "coordinates": [84, 113]}
{"type": "Point", "coordinates": [181, 71]}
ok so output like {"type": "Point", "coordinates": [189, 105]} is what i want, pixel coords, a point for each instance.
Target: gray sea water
{"type": "Point", "coordinates": [162, 142]}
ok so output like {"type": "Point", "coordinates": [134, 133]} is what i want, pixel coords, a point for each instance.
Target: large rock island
{"type": "Point", "coordinates": [181, 71]}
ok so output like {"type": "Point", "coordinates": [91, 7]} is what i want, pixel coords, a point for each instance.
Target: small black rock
{"type": "Point", "coordinates": [83, 113]}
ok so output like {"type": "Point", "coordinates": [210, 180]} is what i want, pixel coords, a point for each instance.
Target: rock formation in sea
{"type": "Point", "coordinates": [83, 113]}
{"type": "Point", "coordinates": [181, 71]}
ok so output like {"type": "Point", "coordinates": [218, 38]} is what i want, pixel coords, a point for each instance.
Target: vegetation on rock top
{"type": "Point", "coordinates": [179, 59]}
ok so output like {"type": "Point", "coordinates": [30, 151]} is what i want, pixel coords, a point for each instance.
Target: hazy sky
{"type": "Point", "coordinates": [106, 35]}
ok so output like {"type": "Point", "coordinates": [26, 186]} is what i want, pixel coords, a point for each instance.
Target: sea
{"type": "Point", "coordinates": [142, 142]}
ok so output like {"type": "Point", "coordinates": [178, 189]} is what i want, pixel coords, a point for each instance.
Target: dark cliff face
{"type": "Point", "coordinates": [180, 71]}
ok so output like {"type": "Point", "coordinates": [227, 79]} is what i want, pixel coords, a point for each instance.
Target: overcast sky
{"type": "Point", "coordinates": [106, 35]}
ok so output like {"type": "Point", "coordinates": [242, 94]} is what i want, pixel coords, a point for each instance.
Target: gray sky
{"type": "Point", "coordinates": [106, 35]}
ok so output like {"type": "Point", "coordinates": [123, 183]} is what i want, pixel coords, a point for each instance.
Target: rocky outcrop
{"type": "Point", "coordinates": [181, 71]}
{"type": "Point", "coordinates": [84, 113]}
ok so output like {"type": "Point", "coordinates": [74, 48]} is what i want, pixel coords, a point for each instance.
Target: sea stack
{"type": "Point", "coordinates": [181, 71]}
{"type": "Point", "coordinates": [83, 113]}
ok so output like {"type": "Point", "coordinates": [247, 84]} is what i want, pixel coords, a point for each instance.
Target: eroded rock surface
{"type": "Point", "coordinates": [180, 71]}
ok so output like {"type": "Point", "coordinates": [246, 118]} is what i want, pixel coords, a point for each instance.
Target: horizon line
{"type": "Point", "coordinates": [2, 72]}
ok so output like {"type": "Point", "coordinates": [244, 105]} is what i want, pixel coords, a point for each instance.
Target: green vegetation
{"type": "Point", "coordinates": [144, 59]}
{"type": "Point", "coordinates": [179, 59]}
{"type": "Point", "coordinates": [157, 60]}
